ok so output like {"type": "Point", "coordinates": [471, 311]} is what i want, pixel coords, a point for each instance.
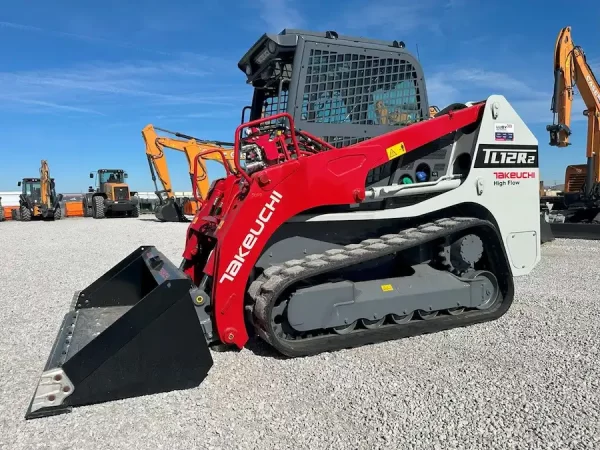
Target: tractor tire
{"type": "Point", "coordinates": [98, 207]}
{"type": "Point", "coordinates": [57, 214]}
{"type": "Point", "coordinates": [135, 212]}
{"type": "Point", "coordinates": [25, 214]}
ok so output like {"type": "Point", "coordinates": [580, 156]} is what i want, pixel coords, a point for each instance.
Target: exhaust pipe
{"type": "Point", "coordinates": [134, 331]}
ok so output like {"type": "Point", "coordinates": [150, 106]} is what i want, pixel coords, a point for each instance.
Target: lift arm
{"type": "Point", "coordinates": [572, 70]}
{"type": "Point", "coordinates": [191, 147]}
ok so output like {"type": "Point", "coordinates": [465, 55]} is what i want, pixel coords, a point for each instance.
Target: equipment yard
{"type": "Point", "coordinates": [530, 379]}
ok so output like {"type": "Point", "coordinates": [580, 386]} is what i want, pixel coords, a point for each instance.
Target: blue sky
{"type": "Point", "coordinates": [80, 80]}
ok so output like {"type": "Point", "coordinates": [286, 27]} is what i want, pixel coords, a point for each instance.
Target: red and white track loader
{"type": "Point", "coordinates": [354, 219]}
{"type": "Point", "coordinates": [296, 249]}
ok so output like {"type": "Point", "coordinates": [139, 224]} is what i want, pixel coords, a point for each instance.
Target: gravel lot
{"type": "Point", "coordinates": [528, 380]}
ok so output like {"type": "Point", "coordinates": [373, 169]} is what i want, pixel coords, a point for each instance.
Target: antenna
{"type": "Point", "coordinates": [418, 57]}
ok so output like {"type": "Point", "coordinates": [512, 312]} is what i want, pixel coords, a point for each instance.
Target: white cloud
{"type": "Point", "coordinates": [280, 14]}
{"type": "Point", "coordinates": [394, 16]}
{"type": "Point", "coordinates": [76, 36]}
{"type": "Point", "coordinates": [41, 105]}
{"type": "Point", "coordinates": [94, 87]}
{"type": "Point", "coordinates": [532, 103]}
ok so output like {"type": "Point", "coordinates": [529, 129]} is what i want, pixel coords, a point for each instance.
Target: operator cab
{"type": "Point", "coordinates": [109, 176]}
{"type": "Point", "coordinates": [345, 90]}
{"type": "Point", "coordinates": [365, 87]}
{"type": "Point", "coordinates": [32, 188]}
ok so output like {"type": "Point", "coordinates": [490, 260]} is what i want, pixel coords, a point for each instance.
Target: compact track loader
{"type": "Point", "coordinates": [317, 244]}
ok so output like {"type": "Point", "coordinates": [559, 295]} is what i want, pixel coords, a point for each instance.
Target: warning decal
{"type": "Point", "coordinates": [395, 150]}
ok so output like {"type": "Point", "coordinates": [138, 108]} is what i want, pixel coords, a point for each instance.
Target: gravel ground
{"type": "Point", "coordinates": [528, 380]}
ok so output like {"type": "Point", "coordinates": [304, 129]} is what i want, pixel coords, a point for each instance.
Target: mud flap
{"type": "Point", "coordinates": [132, 332]}
{"type": "Point", "coordinates": [171, 211]}
{"type": "Point", "coordinates": [546, 234]}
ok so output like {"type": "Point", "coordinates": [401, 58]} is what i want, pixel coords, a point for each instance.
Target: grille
{"type": "Point", "coordinates": [360, 89]}
{"type": "Point", "coordinates": [121, 193]}
{"type": "Point", "coordinates": [576, 182]}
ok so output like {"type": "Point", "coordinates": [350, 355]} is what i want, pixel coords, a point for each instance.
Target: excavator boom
{"type": "Point", "coordinates": [571, 71]}
{"type": "Point", "coordinates": [169, 210]}
{"type": "Point", "coordinates": [45, 187]}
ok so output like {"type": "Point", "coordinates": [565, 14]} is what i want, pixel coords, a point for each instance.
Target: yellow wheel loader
{"type": "Point", "coordinates": [111, 197]}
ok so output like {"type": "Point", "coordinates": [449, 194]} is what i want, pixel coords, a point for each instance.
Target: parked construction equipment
{"type": "Point", "coordinates": [396, 225]}
{"type": "Point", "coordinates": [576, 214]}
{"type": "Point", "coordinates": [111, 197]}
{"type": "Point", "coordinates": [2, 218]}
{"type": "Point", "coordinates": [170, 208]}
{"type": "Point", "coordinates": [38, 199]}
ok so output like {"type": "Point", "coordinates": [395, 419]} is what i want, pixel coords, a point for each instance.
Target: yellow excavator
{"type": "Point", "coordinates": [38, 199]}
{"type": "Point", "coordinates": [580, 218]}
{"type": "Point", "coordinates": [171, 209]}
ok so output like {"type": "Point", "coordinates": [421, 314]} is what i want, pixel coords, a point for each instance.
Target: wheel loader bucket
{"type": "Point", "coordinates": [171, 211]}
{"type": "Point", "coordinates": [132, 332]}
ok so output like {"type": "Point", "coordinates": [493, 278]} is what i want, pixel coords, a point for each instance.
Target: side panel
{"type": "Point", "coordinates": [253, 216]}
{"type": "Point", "coordinates": [503, 179]}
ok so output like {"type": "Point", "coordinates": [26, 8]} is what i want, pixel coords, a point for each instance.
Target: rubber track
{"type": "Point", "coordinates": [266, 289]}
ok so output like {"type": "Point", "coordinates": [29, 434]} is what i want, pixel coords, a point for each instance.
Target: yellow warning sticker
{"type": "Point", "coordinates": [387, 287]}
{"type": "Point", "coordinates": [395, 150]}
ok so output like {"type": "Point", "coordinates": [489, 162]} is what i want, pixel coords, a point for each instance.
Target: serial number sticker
{"type": "Point", "coordinates": [387, 287]}
{"type": "Point", "coordinates": [395, 150]}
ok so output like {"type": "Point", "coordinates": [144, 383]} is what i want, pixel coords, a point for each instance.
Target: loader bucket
{"type": "Point", "coordinates": [546, 234]}
{"type": "Point", "coordinates": [132, 332]}
{"type": "Point", "coordinates": [170, 212]}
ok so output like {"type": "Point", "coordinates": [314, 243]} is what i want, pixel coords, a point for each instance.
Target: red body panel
{"type": "Point", "coordinates": [275, 194]}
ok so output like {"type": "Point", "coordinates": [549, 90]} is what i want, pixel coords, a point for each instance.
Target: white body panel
{"type": "Point", "coordinates": [513, 202]}
{"type": "Point", "coordinates": [10, 198]}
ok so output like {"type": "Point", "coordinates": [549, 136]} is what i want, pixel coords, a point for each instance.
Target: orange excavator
{"type": "Point", "coordinates": [580, 217]}
{"type": "Point", "coordinates": [170, 208]}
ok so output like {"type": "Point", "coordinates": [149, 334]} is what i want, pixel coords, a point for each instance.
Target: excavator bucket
{"type": "Point", "coordinates": [132, 332]}
{"type": "Point", "coordinates": [546, 234]}
{"type": "Point", "coordinates": [170, 211]}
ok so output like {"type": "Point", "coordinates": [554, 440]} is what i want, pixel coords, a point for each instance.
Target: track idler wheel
{"type": "Point", "coordinates": [491, 290]}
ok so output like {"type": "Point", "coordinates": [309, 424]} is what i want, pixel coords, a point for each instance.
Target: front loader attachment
{"type": "Point", "coordinates": [171, 211]}
{"type": "Point", "coordinates": [132, 332]}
